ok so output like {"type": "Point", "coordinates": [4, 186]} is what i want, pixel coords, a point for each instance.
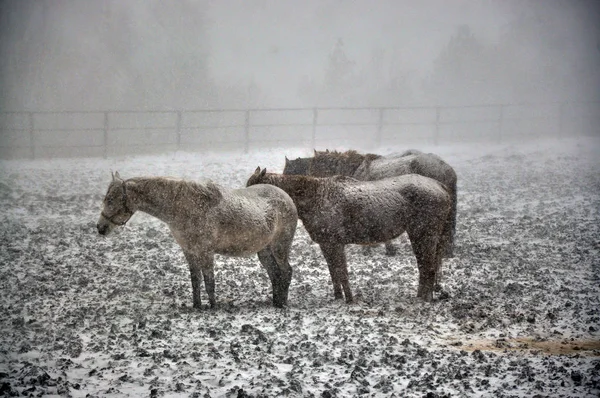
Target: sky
{"type": "Point", "coordinates": [282, 40]}
{"type": "Point", "coordinates": [188, 54]}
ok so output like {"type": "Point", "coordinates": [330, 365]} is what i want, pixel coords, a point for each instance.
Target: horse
{"type": "Point", "coordinates": [205, 218]}
{"type": "Point", "coordinates": [342, 210]}
{"type": "Point", "coordinates": [370, 167]}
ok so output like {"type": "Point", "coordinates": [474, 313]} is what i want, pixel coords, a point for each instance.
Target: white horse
{"type": "Point", "coordinates": [206, 218]}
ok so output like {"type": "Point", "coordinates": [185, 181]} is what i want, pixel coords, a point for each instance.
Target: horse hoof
{"type": "Point", "coordinates": [280, 304]}
{"type": "Point", "coordinates": [444, 295]}
{"type": "Point", "coordinates": [426, 297]}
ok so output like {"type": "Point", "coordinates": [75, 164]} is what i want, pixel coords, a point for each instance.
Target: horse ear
{"type": "Point", "coordinates": [263, 172]}
{"type": "Point", "coordinates": [117, 175]}
{"type": "Point", "coordinates": [257, 171]}
{"type": "Point", "coordinates": [286, 160]}
{"type": "Point", "coordinates": [326, 150]}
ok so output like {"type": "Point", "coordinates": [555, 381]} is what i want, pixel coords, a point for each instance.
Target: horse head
{"type": "Point", "coordinates": [257, 177]}
{"type": "Point", "coordinates": [115, 211]}
{"type": "Point", "coordinates": [298, 166]}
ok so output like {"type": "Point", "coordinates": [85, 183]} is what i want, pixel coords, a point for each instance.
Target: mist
{"type": "Point", "coordinates": [502, 97]}
{"type": "Point", "coordinates": [196, 54]}
{"type": "Point", "coordinates": [65, 55]}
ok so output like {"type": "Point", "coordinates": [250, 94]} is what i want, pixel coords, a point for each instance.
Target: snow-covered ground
{"type": "Point", "coordinates": [83, 315]}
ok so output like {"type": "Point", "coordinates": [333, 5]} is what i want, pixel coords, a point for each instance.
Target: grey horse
{"type": "Point", "coordinates": [206, 218]}
{"type": "Point", "coordinates": [370, 167]}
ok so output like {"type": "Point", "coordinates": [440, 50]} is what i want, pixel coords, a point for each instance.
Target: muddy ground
{"type": "Point", "coordinates": [83, 315]}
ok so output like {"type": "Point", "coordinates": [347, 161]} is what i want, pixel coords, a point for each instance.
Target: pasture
{"type": "Point", "coordinates": [86, 315]}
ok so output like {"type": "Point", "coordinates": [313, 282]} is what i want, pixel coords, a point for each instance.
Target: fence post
{"type": "Point", "coordinates": [313, 136]}
{"type": "Point", "coordinates": [561, 116]}
{"type": "Point", "coordinates": [438, 110]}
{"type": "Point", "coordinates": [380, 127]}
{"type": "Point", "coordinates": [247, 132]}
{"type": "Point", "coordinates": [31, 134]}
{"type": "Point", "coordinates": [178, 131]}
{"type": "Point", "coordinates": [105, 135]}
{"type": "Point", "coordinates": [500, 122]}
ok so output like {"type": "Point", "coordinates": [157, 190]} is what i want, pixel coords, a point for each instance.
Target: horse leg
{"type": "Point", "coordinates": [424, 247]}
{"type": "Point", "coordinates": [439, 255]}
{"type": "Point", "coordinates": [280, 274]}
{"type": "Point", "coordinates": [208, 272]}
{"type": "Point", "coordinates": [195, 265]}
{"type": "Point", "coordinates": [338, 268]}
{"type": "Point", "coordinates": [337, 287]}
{"type": "Point", "coordinates": [450, 226]}
{"type": "Point", "coordinates": [275, 259]}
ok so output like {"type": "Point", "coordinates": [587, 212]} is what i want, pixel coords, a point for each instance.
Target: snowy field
{"type": "Point", "coordinates": [83, 315]}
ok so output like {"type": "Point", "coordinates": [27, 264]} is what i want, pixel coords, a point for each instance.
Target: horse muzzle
{"type": "Point", "coordinates": [102, 228]}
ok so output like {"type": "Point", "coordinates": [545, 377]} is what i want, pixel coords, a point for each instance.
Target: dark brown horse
{"type": "Point", "coordinates": [340, 210]}
{"type": "Point", "coordinates": [370, 167]}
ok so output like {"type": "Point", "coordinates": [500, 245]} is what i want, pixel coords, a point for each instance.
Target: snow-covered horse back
{"type": "Point", "coordinates": [206, 218]}
{"type": "Point", "coordinates": [337, 211]}
{"type": "Point", "coordinates": [370, 167]}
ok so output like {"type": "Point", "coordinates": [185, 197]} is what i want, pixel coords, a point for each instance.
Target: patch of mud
{"type": "Point", "coordinates": [535, 346]}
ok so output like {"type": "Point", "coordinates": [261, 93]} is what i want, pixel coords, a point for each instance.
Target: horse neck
{"type": "Point", "coordinates": [155, 196]}
{"type": "Point", "coordinates": [298, 187]}
{"type": "Point", "coordinates": [344, 165]}
{"type": "Point", "coordinates": [363, 169]}
{"type": "Point", "coordinates": [304, 166]}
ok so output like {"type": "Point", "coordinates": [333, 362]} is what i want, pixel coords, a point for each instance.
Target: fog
{"type": "Point", "coordinates": [65, 54]}
{"type": "Point", "coordinates": [104, 55]}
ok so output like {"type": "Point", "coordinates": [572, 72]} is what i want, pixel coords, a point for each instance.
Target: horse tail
{"type": "Point", "coordinates": [449, 185]}
{"type": "Point", "coordinates": [450, 224]}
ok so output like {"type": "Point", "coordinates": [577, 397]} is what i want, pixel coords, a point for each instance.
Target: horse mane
{"type": "Point", "coordinates": [344, 163]}
{"type": "Point", "coordinates": [184, 189]}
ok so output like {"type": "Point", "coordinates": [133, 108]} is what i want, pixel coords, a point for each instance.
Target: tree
{"type": "Point", "coordinates": [461, 73]}
{"type": "Point", "coordinates": [548, 53]}
{"type": "Point", "coordinates": [339, 71]}
{"type": "Point", "coordinates": [339, 82]}
{"type": "Point", "coordinates": [379, 82]}
{"type": "Point", "coordinates": [384, 82]}
{"type": "Point", "coordinates": [93, 55]}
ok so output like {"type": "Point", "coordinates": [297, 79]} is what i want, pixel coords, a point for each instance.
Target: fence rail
{"type": "Point", "coordinates": [36, 134]}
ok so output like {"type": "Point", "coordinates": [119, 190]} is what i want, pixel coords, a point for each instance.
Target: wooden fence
{"type": "Point", "coordinates": [42, 134]}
